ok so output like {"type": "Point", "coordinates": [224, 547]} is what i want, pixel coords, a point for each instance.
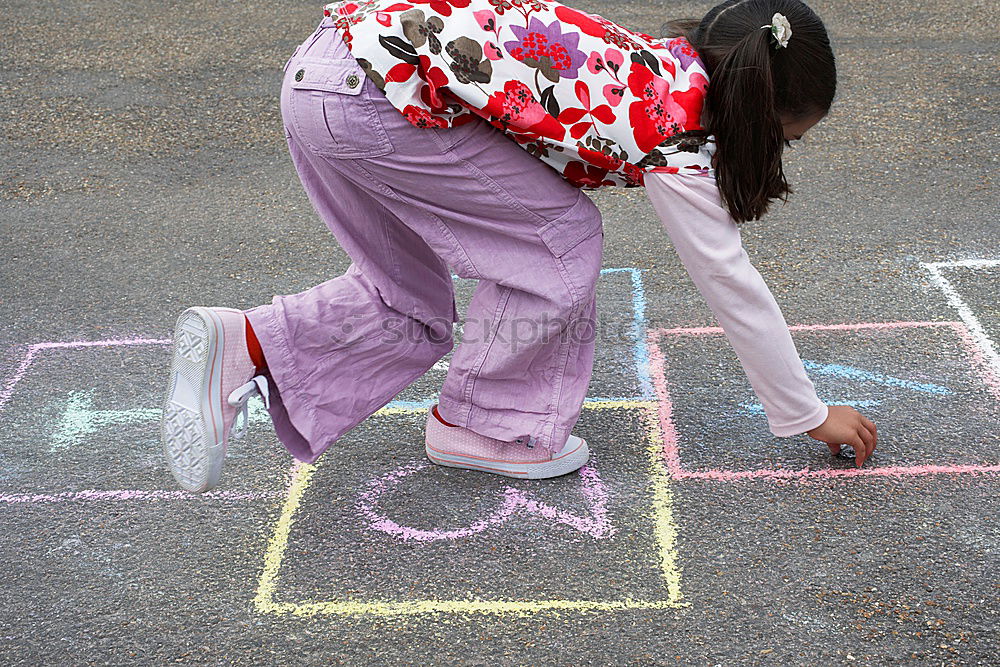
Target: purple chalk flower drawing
{"type": "Point", "coordinates": [544, 47]}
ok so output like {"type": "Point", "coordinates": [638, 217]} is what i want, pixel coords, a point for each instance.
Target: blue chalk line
{"type": "Point", "coordinates": [758, 409]}
{"type": "Point", "coordinates": [868, 376]}
{"type": "Point", "coordinates": [640, 351]}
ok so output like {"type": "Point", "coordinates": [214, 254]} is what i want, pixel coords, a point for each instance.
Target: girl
{"type": "Point", "coordinates": [458, 135]}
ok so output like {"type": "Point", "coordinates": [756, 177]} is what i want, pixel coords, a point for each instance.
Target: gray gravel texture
{"type": "Point", "coordinates": [143, 169]}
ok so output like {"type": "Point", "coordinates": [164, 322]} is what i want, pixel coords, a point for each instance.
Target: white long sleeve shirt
{"type": "Point", "coordinates": [709, 245]}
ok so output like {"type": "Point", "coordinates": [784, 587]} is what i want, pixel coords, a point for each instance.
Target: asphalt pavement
{"type": "Point", "coordinates": [143, 169]}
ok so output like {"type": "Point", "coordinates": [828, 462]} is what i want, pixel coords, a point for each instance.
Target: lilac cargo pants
{"type": "Point", "coordinates": [409, 205]}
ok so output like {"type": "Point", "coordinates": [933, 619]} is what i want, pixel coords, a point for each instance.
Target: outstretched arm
{"type": "Point", "coordinates": [709, 245]}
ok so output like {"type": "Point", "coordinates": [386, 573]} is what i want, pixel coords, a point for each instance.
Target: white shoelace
{"type": "Point", "coordinates": [239, 398]}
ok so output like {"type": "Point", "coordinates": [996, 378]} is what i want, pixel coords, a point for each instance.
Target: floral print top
{"type": "Point", "coordinates": [599, 103]}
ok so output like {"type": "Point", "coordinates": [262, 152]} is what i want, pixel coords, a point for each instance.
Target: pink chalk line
{"type": "Point", "coordinates": [148, 494]}
{"type": "Point", "coordinates": [671, 438]}
{"type": "Point", "coordinates": [113, 495]}
{"type": "Point", "coordinates": [512, 500]}
{"type": "Point", "coordinates": [33, 350]}
{"type": "Point", "coordinates": [701, 331]}
{"type": "Point", "coordinates": [986, 371]}
{"type": "Point", "coordinates": [134, 494]}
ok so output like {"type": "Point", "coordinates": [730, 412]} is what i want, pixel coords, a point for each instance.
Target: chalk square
{"type": "Point", "coordinates": [697, 415]}
{"type": "Point", "coordinates": [81, 419]}
{"type": "Point", "coordinates": [443, 579]}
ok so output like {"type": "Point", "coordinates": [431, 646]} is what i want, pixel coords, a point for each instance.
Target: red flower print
{"type": "Point", "coordinates": [492, 51]}
{"type": "Point", "coordinates": [614, 93]}
{"type": "Point", "coordinates": [344, 9]}
{"type": "Point", "coordinates": [422, 118]}
{"type": "Point", "coordinates": [400, 72]}
{"type": "Point", "coordinates": [484, 18]}
{"type": "Point", "coordinates": [583, 175]}
{"type": "Point", "coordinates": [602, 113]}
{"type": "Point", "coordinates": [608, 162]}
{"type": "Point", "coordinates": [507, 63]}
{"type": "Point", "coordinates": [696, 169]}
{"type": "Point", "coordinates": [683, 51]}
{"type": "Point", "coordinates": [518, 109]}
{"type": "Point", "coordinates": [597, 26]}
{"type": "Point", "coordinates": [516, 105]}
{"type": "Point", "coordinates": [546, 47]}
{"type": "Point", "coordinates": [683, 45]}
{"type": "Point", "coordinates": [691, 101]}
{"type": "Point", "coordinates": [611, 61]}
{"type": "Point", "coordinates": [655, 115]}
{"type": "Point", "coordinates": [344, 27]}
{"type": "Point", "coordinates": [501, 6]}
{"type": "Point", "coordinates": [632, 173]}
{"type": "Point", "coordinates": [435, 78]}
{"type": "Point", "coordinates": [443, 7]}
{"type": "Point", "coordinates": [581, 20]}
{"type": "Point", "coordinates": [613, 34]}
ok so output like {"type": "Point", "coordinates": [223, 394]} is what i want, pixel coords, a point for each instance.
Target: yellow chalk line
{"type": "Point", "coordinates": [665, 533]}
{"type": "Point", "coordinates": [415, 607]}
{"type": "Point", "coordinates": [264, 600]}
{"type": "Point", "coordinates": [664, 526]}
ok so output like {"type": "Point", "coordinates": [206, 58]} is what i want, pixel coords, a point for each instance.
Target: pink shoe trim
{"type": "Point", "coordinates": [214, 351]}
{"type": "Point", "coordinates": [483, 458]}
{"type": "Point", "coordinates": [487, 468]}
{"type": "Point", "coordinates": [578, 448]}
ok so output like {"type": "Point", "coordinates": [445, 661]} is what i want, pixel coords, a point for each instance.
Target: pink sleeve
{"type": "Point", "coordinates": [709, 245]}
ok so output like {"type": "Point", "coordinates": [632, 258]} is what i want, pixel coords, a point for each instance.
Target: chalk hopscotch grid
{"type": "Point", "coordinates": [665, 530]}
{"type": "Point", "coordinates": [665, 534]}
{"type": "Point", "coordinates": [980, 363]}
{"type": "Point", "coordinates": [663, 448]}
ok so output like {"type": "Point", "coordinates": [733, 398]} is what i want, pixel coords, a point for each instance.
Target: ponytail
{"type": "Point", "coordinates": [752, 86]}
{"type": "Point", "coordinates": [747, 128]}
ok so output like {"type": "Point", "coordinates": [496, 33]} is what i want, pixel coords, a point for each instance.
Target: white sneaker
{"type": "Point", "coordinates": [459, 447]}
{"type": "Point", "coordinates": [211, 380]}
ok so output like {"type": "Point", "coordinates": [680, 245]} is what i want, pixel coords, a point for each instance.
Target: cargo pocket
{"type": "Point", "coordinates": [332, 109]}
{"type": "Point", "coordinates": [579, 223]}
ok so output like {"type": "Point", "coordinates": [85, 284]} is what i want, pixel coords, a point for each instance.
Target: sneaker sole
{"type": "Point", "coordinates": [191, 429]}
{"type": "Point", "coordinates": [563, 465]}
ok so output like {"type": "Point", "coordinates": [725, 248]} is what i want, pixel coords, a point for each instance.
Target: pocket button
{"type": "Point", "coordinates": [298, 75]}
{"type": "Point", "coordinates": [352, 81]}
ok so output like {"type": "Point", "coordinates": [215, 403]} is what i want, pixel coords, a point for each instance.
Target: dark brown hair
{"type": "Point", "coordinates": [751, 86]}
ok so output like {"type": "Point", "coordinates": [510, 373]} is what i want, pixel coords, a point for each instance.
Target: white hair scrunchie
{"type": "Point", "coordinates": [781, 29]}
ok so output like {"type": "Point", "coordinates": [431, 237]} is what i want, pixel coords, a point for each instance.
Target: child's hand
{"type": "Point", "coordinates": [846, 426]}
